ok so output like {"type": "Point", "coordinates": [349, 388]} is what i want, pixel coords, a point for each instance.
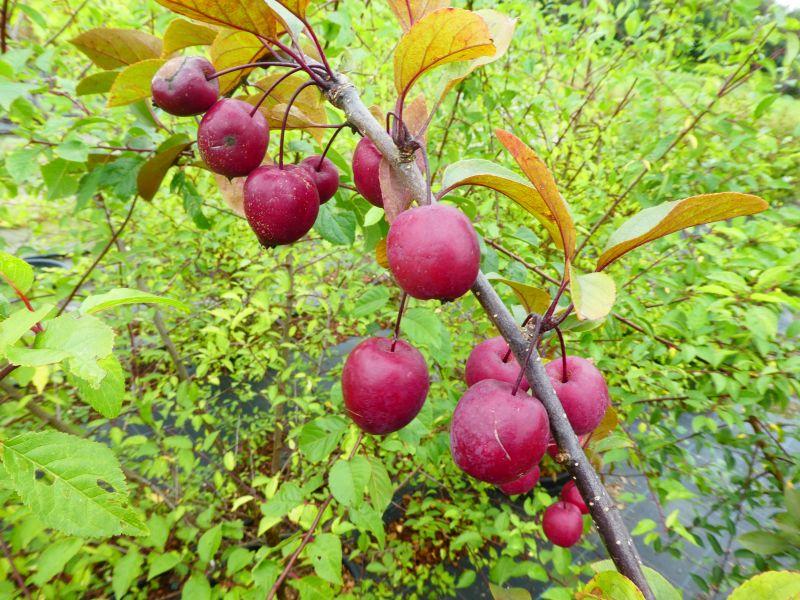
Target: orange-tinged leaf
{"type": "Point", "coordinates": [609, 585]}
{"type": "Point", "coordinates": [182, 34]}
{"type": "Point", "coordinates": [133, 82]}
{"type": "Point", "coordinates": [380, 253]}
{"type": "Point", "coordinates": [606, 426]}
{"type": "Point", "coordinates": [308, 109]}
{"type": "Point", "coordinates": [475, 171]}
{"type": "Point", "coordinates": [152, 172]}
{"type": "Point", "coordinates": [248, 15]}
{"type": "Point", "coordinates": [444, 36]}
{"type": "Point", "coordinates": [669, 217]}
{"type": "Point", "coordinates": [113, 48]}
{"type": "Point", "coordinates": [541, 178]}
{"type": "Point", "coordinates": [415, 115]}
{"type": "Point", "coordinates": [409, 12]}
{"type": "Point", "coordinates": [231, 48]}
{"type": "Point", "coordinates": [296, 7]}
{"type": "Point", "coordinates": [533, 299]}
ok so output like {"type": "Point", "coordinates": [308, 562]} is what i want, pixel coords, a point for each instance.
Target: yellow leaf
{"type": "Point", "coordinates": [409, 12]}
{"type": "Point", "coordinates": [380, 253]}
{"type": "Point", "coordinates": [444, 36]}
{"type": "Point", "coordinates": [308, 109]}
{"type": "Point", "coordinates": [182, 34]}
{"type": "Point", "coordinates": [112, 48]}
{"type": "Point", "coordinates": [669, 217]}
{"type": "Point", "coordinates": [133, 82]}
{"type": "Point", "coordinates": [534, 300]}
{"type": "Point", "coordinates": [41, 375]}
{"type": "Point", "coordinates": [475, 171]}
{"type": "Point", "coordinates": [231, 48]}
{"type": "Point", "coordinates": [247, 15]}
{"type": "Point", "coordinates": [609, 585]}
{"type": "Point", "coordinates": [539, 175]}
{"type": "Point", "coordinates": [606, 426]}
{"type": "Point", "coordinates": [593, 294]}
{"type": "Point", "coordinates": [296, 7]}
{"type": "Point", "coordinates": [96, 83]}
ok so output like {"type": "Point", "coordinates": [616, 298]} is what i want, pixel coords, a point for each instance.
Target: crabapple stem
{"type": "Point", "coordinates": [534, 343]}
{"type": "Point", "coordinates": [271, 88]}
{"type": "Point", "coordinates": [299, 89]}
{"type": "Point", "coordinates": [298, 58]}
{"type": "Point", "coordinates": [314, 39]}
{"type": "Point", "coordinates": [563, 354]}
{"type": "Point", "coordinates": [508, 355]}
{"type": "Point", "coordinates": [329, 144]}
{"type": "Point", "coordinates": [397, 322]}
{"type": "Point", "coordinates": [249, 66]}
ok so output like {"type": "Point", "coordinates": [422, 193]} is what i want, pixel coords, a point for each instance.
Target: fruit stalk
{"type": "Point", "coordinates": [616, 538]}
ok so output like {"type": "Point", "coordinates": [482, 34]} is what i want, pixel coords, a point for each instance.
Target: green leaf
{"type": "Point", "coordinates": [348, 478]}
{"type": "Point", "coordinates": [133, 82]}
{"type": "Point", "coordinates": [487, 174]}
{"type": "Point", "coordinates": [325, 553]}
{"type": "Point", "coordinates": [23, 165]}
{"type": "Point", "coordinates": [533, 299]}
{"type": "Point", "coordinates": [196, 588]}
{"type": "Point", "coordinates": [289, 496]}
{"type": "Point", "coordinates": [791, 499]}
{"type": "Point", "coordinates": [370, 301]}
{"type": "Point", "coordinates": [669, 217]}
{"type": "Point", "coordinates": [82, 341]}
{"type": "Point", "coordinates": [423, 327]}
{"type": "Point", "coordinates": [106, 397]}
{"type": "Point", "coordinates": [96, 83]}
{"type": "Point", "coordinates": [380, 485]}
{"type": "Point", "coordinates": [320, 437]}
{"type": "Point", "coordinates": [126, 571]}
{"type": "Point", "coordinates": [73, 151]}
{"type": "Point", "coordinates": [593, 294]}
{"type": "Point", "coordinates": [15, 272]}
{"type": "Point", "coordinates": [661, 587]}
{"type": "Point", "coordinates": [336, 226]}
{"type": "Point", "coordinates": [18, 324]}
{"type": "Point", "coordinates": [374, 215]}
{"type": "Point", "coordinates": [764, 542]}
{"type": "Point", "coordinates": [71, 484]}
{"type": "Point", "coordinates": [772, 585]}
{"type": "Point", "coordinates": [501, 593]}
{"type": "Point", "coordinates": [60, 183]}
{"type": "Point", "coordinates": [53, 559]}
{"type": "Point", "coordinates": [238, 559]}
{"type": "Point", "coordinates": [123, 296]}
{"type": "Point", "coordinates": [209, 543]}
{"type": "Point", "coordinates": [161, 563]}
{"type": "Point", "coordinates": [610, 585]}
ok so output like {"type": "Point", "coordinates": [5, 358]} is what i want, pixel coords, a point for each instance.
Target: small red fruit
{"type": "Point", "coordinates": [562, 524]}
{"type": "Point", "coordinates": [231, 142]}
{"type": "Point", "coordinates": [180, 86]}
{"type": "Point", "coordinates": [570, 493]}
{"type": "Point", "coordinates": [384, 389]}
{"type": "Point", "coordinates": [433, 252]}
{"type": "Point", "coordinates": [583, 392]}
{"type": "Point", "coordinates": [366, 171]}
{"type": "Point", "coordinates": [523, 485]}
{"type": "Point", "coordinates": [281, 205]}
{"type": "Point", "coordinates": [325, 176]}
{"type": "Point", "coordinates": [486, 362]}
{"type": "Point", "coordinates": [497, 436]}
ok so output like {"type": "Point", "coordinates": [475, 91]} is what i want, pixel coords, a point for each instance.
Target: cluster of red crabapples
{"type": "Point", "coordinates": [499, 432]}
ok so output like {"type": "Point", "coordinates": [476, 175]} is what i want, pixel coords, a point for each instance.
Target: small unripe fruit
{"type": "Point", "coordinates": [281, 204]}
{"type": "Point", "coordinates": [231, 142]}
{"type": "Point", "coordinates": [180, 86]}
{"type": "Point", "coordinates": [325, 176]}
{"type": "Point", "coordinates": [366, 171]}
{"type": "Point", "coordinates": [570, 493]}
{"type": "Point", "coordinates": [433, 252]}
{"type": "Point", "coordinates": [523, 485]}
{"type": "Point", "coordinates": [583, 392]}
{"type": "Point", "coordinates": [497, 436]}
{"type": "Point", "coordinates": [486, 362]}
{"type": "Point", "coordinates": [562, 524]}
{"type": "Point", "coordinates": [384, 389]}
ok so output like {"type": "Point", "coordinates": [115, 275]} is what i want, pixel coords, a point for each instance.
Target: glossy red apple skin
{"type": "Point", "coordinates": [552, 447]}
{"type": "Point", "coordinates": [523, 485]}
{"type": "Point", "coordinates": [366, 171]}
{"type": "Point", "coordinates": [570, 493]}
{"type": "Point", "coordinates": [325, 176]}
{"type": "Point", "coordinates": [562, 524]}
{"type": "Point", "coordinates": [281, 205]}
{"type": "Point", "coordinates": [383, 389]}
{"type": "Point", "coordinates": [584, 395]}
{"type": "Point", "coordinates": [496, 436]}
{"type": "Point", "coordinates": [486, 362]}
{"type": "Point", "coordinates": [433, 252]}
{"type": "Point", "coordinates": [231, 142]}
{"type": "Point", "coordinates": [180, 86]}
